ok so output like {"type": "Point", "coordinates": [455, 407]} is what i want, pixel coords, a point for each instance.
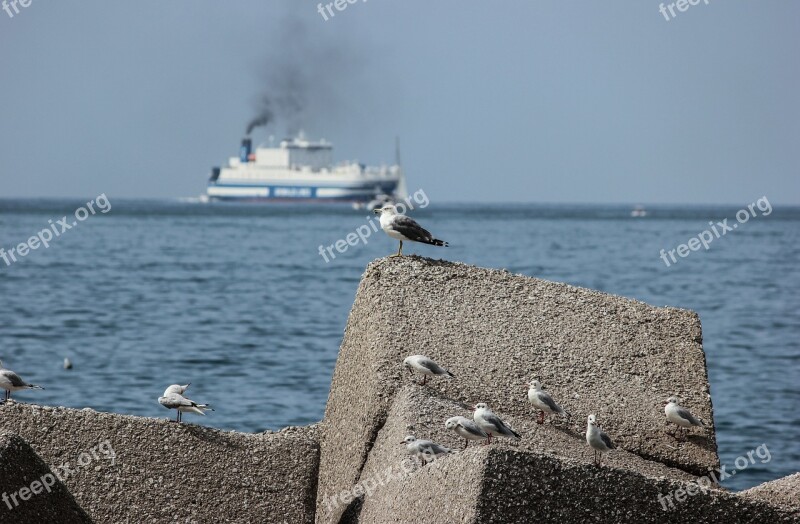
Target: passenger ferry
{"type": "Point", "coordinates": [302, 170]}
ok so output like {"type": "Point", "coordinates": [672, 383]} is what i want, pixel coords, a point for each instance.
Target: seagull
{"type": "Point", "coordinates": [598, 439]}
{"type": "Point", "coordinates": [10, 381]}
{"type": "Point", "coordinates": [402, 228]}
{"type": "Point", "coordinates": [173, 399]}
{"type": "Point", "coordinates": [491, 424]}
{"type": "Point", "coordinates": [424, 448]}
{"type": "Point", "coordinates": [426, 366]}
{"type": "Point", "coordinates": [543, 401]}
{"type": "Point", "coordinates": [466, 428]}
{"type": "Point", "coordinates": [680, 416]}
{"type": "Point", "coordinates": [67, 363]}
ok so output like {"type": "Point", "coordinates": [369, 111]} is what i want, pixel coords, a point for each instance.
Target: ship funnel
{"type": "Point", "coordinates": [244, 152]}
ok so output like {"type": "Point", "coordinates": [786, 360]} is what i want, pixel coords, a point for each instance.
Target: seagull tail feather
{"type": "Point", "coordinates": [34, 386]}
{"type": "Point", "coordinates": [434, 242]}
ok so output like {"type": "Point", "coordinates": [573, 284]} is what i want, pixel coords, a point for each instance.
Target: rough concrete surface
{"type": "Point", "coordinates": [524, 482]}
{"type": "Point", "coordinates": [784, 493]}
{"type": "Point", "coordinates": [487, 484]}
{"type": "Point", "coordinates": [29, 489]}
{"type": "Point", "coordinates": [594, 352]}
{"type": "Point", "coordinates": [162, 471]}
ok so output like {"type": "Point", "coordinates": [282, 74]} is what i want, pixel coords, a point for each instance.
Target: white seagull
{"type": "Point", "coordinates": [402, 228]}
{"type": "Point", "coordinates": [426, 366]}
{"type": "Point", "coordinates": [425, 449]}
{"type": "Point", "coordinates": [679, 415]}
{"type": "Point", "coordinates": [466, 428]}
{"type": "Point", "coordinates": [543, 401]}
{"type": "Point", "coordinates": [173, 399]}
{"type": "Point", "coordinates": [491, 424]}
{"type": "Point", "coordinates": [10, 381]}
{"type": "Point", "coordinates": [598, 439]}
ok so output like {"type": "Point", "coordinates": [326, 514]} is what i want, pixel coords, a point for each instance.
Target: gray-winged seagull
{"type": "Point", "coordinates": [10, 381]}
{"type": "Point", "coordinates": [173, 399]}
{"type": "Point", "coordinates": [680, 416]}
{"type": "Point", "coordinates": [401, 227]}
{"type": "Point", "coordinates": [466, 428]}
{"type": "Point", "coordinates": [598, 439]}
{"type": "Point", "coordinates": [426, 366]}
{"type": "Point", "coordinates": [492, 424]}
{"type": "Point", "coordinates": [426, 449]}
{"type": "Point", "coordinates": [542, 401]}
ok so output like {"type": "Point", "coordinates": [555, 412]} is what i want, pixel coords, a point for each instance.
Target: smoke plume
{"type": "Point", "coordinates": [304, 79]}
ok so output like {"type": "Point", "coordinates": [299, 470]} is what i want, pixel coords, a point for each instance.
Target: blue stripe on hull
{"type": "Point", "coordinates": [310, 193]}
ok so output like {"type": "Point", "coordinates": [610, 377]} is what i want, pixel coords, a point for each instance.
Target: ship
{"type": "Point", "coordinates": [302, 170]}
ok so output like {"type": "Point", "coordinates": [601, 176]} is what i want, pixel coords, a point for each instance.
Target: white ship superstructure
{"type": "Point", "coordinates": [299, 169]}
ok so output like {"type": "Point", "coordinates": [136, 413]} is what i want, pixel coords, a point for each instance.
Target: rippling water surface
{"type": "Point", "coordinates": [238, 300]}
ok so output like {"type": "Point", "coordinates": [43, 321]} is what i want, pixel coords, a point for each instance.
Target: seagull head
{"type": "Point", "coordinates": [480, 405]}
{"type": "Point", "coordinates": [671, 400]}
{"type": "Point", "coordinates": [389, 209]}
{"type": "Point", "coordinates": [410, 439]}
{"type": "Point", "coordinates": [535, 384]}
{"type": "Point", "coordinates": [592, 420]}
{"type": "Point", "coordinates": [451, 423]}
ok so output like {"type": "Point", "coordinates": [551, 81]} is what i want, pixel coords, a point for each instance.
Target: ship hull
{"type": "Point", "coordinates": [298, 192]}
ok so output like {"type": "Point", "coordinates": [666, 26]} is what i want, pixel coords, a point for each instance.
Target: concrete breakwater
{"type": "Point", "coordinates": [597, 353]}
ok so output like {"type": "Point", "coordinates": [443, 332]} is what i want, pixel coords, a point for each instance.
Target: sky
{"type": "Point", "coordinates": [519, 101]}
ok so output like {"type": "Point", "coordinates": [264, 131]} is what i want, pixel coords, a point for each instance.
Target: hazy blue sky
{"type": "Point", "coordinates": [541, 101]}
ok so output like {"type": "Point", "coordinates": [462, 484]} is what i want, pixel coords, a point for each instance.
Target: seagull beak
{"type": "Point", "coordinates": [403, 442]}
{"type": "Point", "coordinates": [376, 211]}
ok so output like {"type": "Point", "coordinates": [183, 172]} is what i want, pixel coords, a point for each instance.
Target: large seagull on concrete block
{"type": "Point", "coordinates": [403, 228]}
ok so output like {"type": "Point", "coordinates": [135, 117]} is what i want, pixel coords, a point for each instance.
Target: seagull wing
{"type": "Point", "coordinates": [432, 366]}
{"type": "Point", "coordinates": [472, 428]}
{"type": "Point", "coordinates": [13, 378]}
{"type": "Point", "coordinates": [501, 426]}
{"type": "Point", "coordinates": [548, 401]}
{"type": "Point", "coordinates": [432, 448]}
{"type": "Point", "coordinates": [687, 415]}
{"type": "Point", "coordinates": [607, 440]}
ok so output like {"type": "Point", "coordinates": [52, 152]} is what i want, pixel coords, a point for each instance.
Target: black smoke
{"type": "Point", "coordinates": [307, 73]}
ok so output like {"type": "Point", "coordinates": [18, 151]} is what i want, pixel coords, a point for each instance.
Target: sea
{"type": "Point", "coordinates": [248, 303]}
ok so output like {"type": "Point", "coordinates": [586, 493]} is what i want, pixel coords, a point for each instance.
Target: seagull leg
{"type": "Point", "coordinates": [399, 250]}
{"type": "Point", "coordinates": [466, 443]}
{"type": "Point", "coordinates": [541, 418]}
{"type": "Point", "coordinates": [424, 379]}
